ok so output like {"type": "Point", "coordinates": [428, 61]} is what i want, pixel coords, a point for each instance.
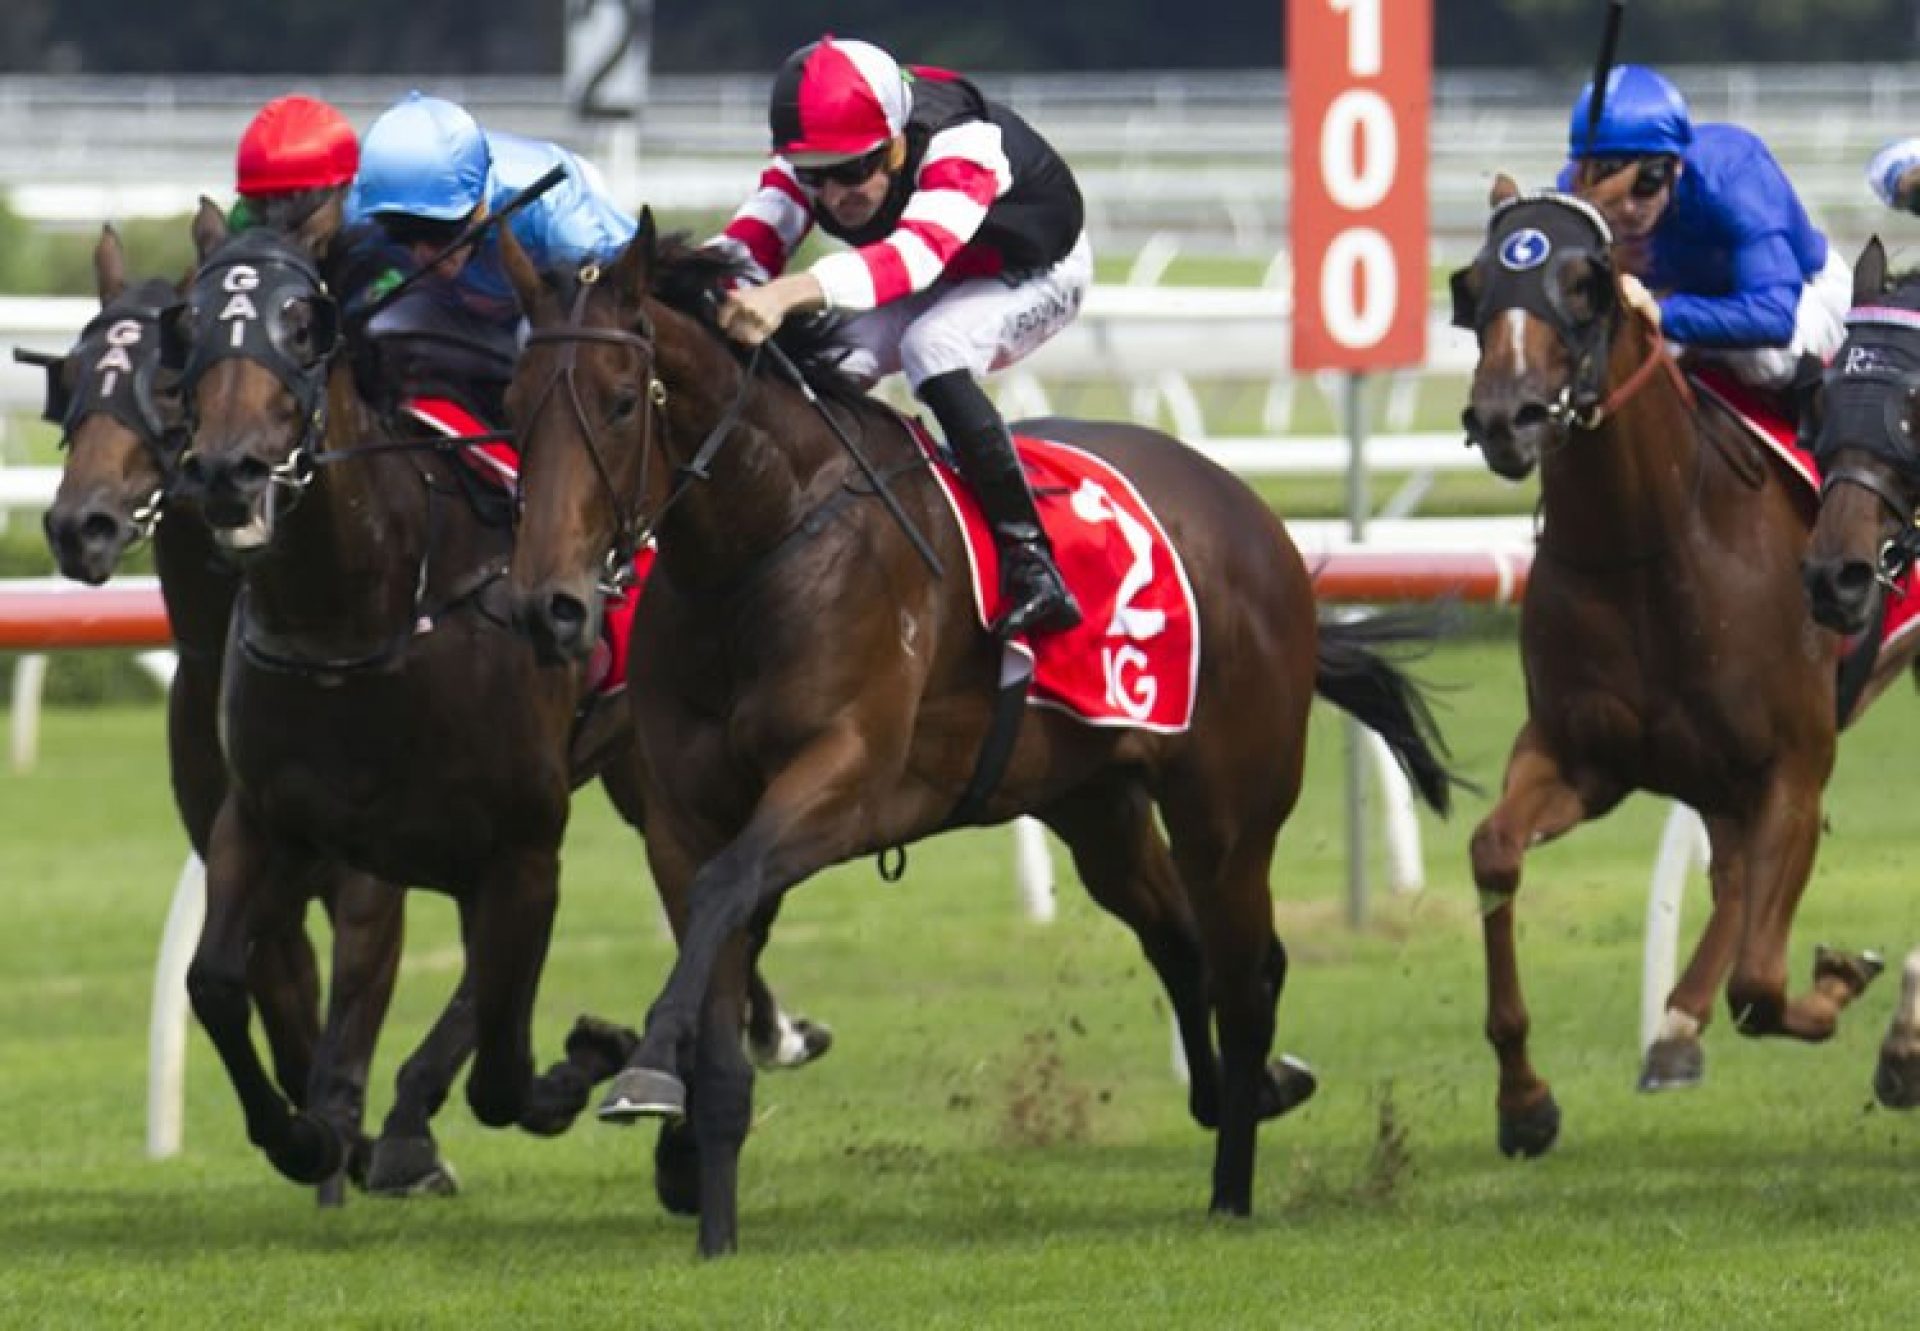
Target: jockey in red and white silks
{"type": "Point", "coordinates": [969, 252]}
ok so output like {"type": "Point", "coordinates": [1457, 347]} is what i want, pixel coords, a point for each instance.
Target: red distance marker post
{"type": "Point", "coordinates": [1359, 78]}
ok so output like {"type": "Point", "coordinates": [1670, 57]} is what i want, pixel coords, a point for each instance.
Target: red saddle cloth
{"type": "Point", "coordinates": [498, 463]}
{"type": "Point", "coordinates": [1134, 659]}
{"type": "Point", "coordinates": [1764, 416]}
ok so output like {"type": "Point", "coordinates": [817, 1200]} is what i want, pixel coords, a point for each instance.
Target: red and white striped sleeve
{"type": "Point", "coordinates": [771, 224]}
{"type": "Point", "coordinates": [964, 170]}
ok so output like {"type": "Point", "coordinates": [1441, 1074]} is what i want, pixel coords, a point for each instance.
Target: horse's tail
{"type": "Point", "coordinates": [1356, 674]}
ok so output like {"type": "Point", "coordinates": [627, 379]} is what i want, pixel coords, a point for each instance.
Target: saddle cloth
{"type": "Point", "coordinates": [1134, 659]}
{"type": "Point", "coordinates": [498, 463]}
{"type": "Point", "coordinates": [1764, 416]}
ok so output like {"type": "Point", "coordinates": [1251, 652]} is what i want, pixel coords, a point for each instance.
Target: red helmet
{"type": "Point", "coordinates": [834, 100]}
{"type": "Point", "coordinates": [295, 143]}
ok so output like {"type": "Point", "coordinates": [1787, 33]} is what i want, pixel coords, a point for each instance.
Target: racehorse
{"type": "Point", "coordinates": [119, 414]}
{"type": "Point", "coordinates": [1664, 636]}
{"type": "Point", "coordinates": [1865, 537]}
{"type": "Point", "coordinates": [378, 712]}
{"type": "Point", "coordinates": [806, 693]}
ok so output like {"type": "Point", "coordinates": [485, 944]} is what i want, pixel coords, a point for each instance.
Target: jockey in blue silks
{"type": "Point", "coordinates": [1710, 223]}
{"type": "Point", "coordinates": [427, 169]}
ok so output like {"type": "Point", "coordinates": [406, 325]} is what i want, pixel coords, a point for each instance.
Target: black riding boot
{"type": "Point", "coordinates": [1033, 597]}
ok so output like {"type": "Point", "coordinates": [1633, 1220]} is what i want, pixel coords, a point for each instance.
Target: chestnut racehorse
{"type": "Point", "coordinates": [806, 692]}
{"type": "Point", "coordinates": [1665, 639]}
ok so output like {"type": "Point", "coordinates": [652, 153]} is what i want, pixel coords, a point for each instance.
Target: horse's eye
{"type": "Point", "coordinates": [624, 404]}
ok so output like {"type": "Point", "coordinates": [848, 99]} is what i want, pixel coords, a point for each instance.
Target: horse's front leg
{"type": "Point", "coordinates": [1781, 841]}
{"type": "Point", "coordinates": [406, 1161]}
{"type": "Point", "coordinates": [249, 897]}
{"type": "Point", "coordinates": [1896, 1081]}
{"type": "Point", "coordinates": [369, 926]}
{"type": "Point", "coordinates": [807, 818]}
{"type": "Point", "coordinates": [1536, 804]}
{"type": "Point", "coordinates": [722, 1099]}
{"type": "Point", "coordinates": [1676, 1058]}
{"type": "Point", "coordinates": [512, 923]}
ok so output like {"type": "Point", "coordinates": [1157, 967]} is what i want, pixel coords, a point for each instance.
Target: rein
{"type": "Point", "coordinates": [1658, 357]}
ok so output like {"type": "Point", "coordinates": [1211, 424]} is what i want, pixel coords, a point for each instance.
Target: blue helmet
{"type": "Point", "coordinates": [1644, 116]}
{"type": "Point", "coordinates": [424, 157]}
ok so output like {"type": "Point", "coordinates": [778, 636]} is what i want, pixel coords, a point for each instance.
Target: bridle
{"type": "Point", "coordinates": [1529, 262]}
{"type": "Point", "coordinates": [1869, 396]}
{"type": "Point", "coordinates": [633, 527]}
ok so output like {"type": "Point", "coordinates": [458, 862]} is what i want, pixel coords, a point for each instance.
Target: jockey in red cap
{"type": "Point", "coordinates": [968, 252]}
{"type": "Point", "coordinates": [295, 154]}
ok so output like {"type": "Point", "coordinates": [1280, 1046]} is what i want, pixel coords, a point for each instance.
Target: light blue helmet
{"type": "Point", "coordinates": [1644, 116]}
{"type": "Point", "coordinates": [424, 157]}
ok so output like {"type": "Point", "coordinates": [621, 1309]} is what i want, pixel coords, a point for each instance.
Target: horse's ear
{"type": "Point", "coordinates": [1870, 272]}
{"type": "Point", "coordinates": [633, 270]}
{"type": "Point", "coordinates": [316, 234]}
{"type": "Point", "coordinates": [209, 228]}
{"type": "Point", "coordinates": [1503, 189]}
{"type": "Point", "coordinates": [519, 268]}
{"type": "Point", "coordinates": [109, 265]}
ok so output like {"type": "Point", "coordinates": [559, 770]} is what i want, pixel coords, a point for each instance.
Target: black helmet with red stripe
{"type": "Point", "coordinates": [835, 100]}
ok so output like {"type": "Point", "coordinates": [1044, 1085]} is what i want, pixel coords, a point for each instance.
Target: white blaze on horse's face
{"type": "Point", "coordinates": [1513, 326]}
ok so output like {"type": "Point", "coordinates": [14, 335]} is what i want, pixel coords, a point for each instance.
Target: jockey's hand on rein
{"type": "Point", "coordinates": [750, 316]}
{"type": "Point", "coordinates": [1637, 297]}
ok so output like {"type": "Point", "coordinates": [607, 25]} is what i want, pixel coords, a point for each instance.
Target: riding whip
{"type": "Point", "coordinates": [1609, 41]}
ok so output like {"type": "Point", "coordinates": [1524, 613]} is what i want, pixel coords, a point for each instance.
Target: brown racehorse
{"type": "Point", "coordinates": [1867, 532]}
{"type": "Point", "coordinates": [119, 413]}
{"type": "Point", "coordinates": [806, 692]}
{"type": "Point", "coordinates": [378, 712]}
{"type": "Point", "coordinates": [1664, 636]}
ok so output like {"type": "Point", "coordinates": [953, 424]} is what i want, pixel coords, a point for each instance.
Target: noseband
{"type": "Point", "coordinates": [1870, 393]}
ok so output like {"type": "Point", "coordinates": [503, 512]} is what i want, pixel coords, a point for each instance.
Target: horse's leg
{"type": "Point", "coordinates": [369, 925]}
{"type": "Point", "coordinates": [1781, 841]}
{"type": "Point", "coordinates": [721, 1097]}
{"type": "Point", "coordinates": [1676, 1058]}
{"type": "Point", "coordinates": [284, 980]}
{"type": "Point", "coordinates": [512, 924]}
{"type": "Point", "coordinates": [776, 1039]}
{"type": "Point", "coordinates": [1896, 1081]}
{"type": "Point", "coordinates": [808, 816]}
{"type": "Point", "coordinates": [1536, 805]}
{"type": "Point", "coordinates": [406, 1161]}
{"type": "Point", "coordinates": [246, 900]}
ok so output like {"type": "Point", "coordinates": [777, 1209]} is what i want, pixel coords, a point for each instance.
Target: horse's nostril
{"type": "Point", "coordinates": [1531, 414]}
{"type": "Point", "coordinates": [1854, 578]}
{"type": "Point", "coordinates": [192, 470]}
{"type": "Point", "coordinates": [250, 472]}
{"type": "Point", "coordinates": [98, 527]}
{"type": "Point", "coordinates": [567, 615]}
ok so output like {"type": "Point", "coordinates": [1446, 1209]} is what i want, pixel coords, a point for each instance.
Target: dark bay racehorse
{"type": "Point", "coordinates": [119, 413]}
{"type": "Point", "coordinates": [1664, 635]}
{"type": "Point", "coordinates": [807, 693]}
{"type": "Point", "coordinates": [378, 712]}
{"type": "Point", "coordinates": [1869, 527]}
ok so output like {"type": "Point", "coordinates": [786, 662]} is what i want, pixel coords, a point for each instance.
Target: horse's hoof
{"type": "Point", "coordinates": [676, 1169]}
{"type": "Point", "coordinates": [639, 1093]}
{"type": "Point", "coordinates": [332, 1192]}
{"type": "Point", "coordinates": [1530, 1133]}
{"type": "Point", "coordinates": [555, 1100]}
{"type": "Point", "coordinates": [1896, 1079]}
{"type": "Point", "coordinates": [1673, 1063]}
{"type": "Point", "coordinates": [313, 1152]}
{"type": "Point", "coordinates": [599, 1048]}
{"type": "Point", "coordinates": [1289, 1084]}
{"type": "Point", "coordinates": [409, 1167]}
{"type": "Point", "coordinates": [795, 1044]}
{"type": "Point", "coordinates": [1855, 970]}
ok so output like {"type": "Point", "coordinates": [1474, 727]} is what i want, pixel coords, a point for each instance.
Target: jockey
{"type": "Point", "coordinates": [1894, 174]}
{"type": "Point", "coordinates": [1709, 221]}
{"type": "Point", "coordinates": [969, 253]}
{"type": "Point", "coordinates": [427, 169]}
{"type": "Point", "coordinates": [295, 155]}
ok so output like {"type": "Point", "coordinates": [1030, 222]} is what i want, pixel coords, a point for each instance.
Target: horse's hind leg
{"type": "Point", "coordinates": [1896, 1081]}
{"type": "Point", "coordinates": [1781, 841]}
{"type": "Point", "coordinates": [406, 1161]}
{"type": "Point", "coordinates": [1676, 1057]}
{"type": "Point", "coordinates": [369, 925]}
{"type": "Point", "coordinates": [1536, 805]}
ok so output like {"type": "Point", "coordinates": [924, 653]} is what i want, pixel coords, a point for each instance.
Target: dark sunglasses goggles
{"type": "Point", "coordinates": [853, 171]}
{"type": "Point", "coordinates": [1653, 175]}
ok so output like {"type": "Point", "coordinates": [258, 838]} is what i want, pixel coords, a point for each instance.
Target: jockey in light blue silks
{"type": "Point", "coordinates": [1894, 174]}
{"type": "Point", "coordinates": [427, 169]}
{"type": "Point", "coordinates": [1718, 249]}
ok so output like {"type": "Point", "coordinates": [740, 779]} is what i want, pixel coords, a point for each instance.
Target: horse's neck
{"type": "Point", "coordinates": [345, 555]}
{"type": "Point", "coordinates": [1625, 484]}
{"type": "Point", "coordinates": [196, 581]}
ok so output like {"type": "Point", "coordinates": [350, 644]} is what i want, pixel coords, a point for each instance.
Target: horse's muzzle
{"type": "Point", "coordinates": [87, 540]}
{"type": "Point", "coordinates": [561, 624]}
{"type": "Point", "coordinates": [1511, 440]}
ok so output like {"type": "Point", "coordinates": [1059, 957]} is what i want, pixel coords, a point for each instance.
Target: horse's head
{"type": "Point", "coordinates": [119, 415]}
{"type": "Point", "coordinates": [588, 409]}
{"type": "Point", "coordinates": [1863, 436]}
{"type": "Point", "coordinates": [254, 342]}
{"type": "Point", "coordinates": [1542, 300]}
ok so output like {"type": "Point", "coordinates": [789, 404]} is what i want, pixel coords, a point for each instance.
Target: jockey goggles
{"type": "Point", "coordinates": [1654, 175]}
{"type": "Point", "coordinates": [853, 171]}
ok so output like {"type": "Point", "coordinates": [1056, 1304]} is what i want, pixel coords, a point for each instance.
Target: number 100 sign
{"type": "Point", "coordinates": [1358, 75]}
